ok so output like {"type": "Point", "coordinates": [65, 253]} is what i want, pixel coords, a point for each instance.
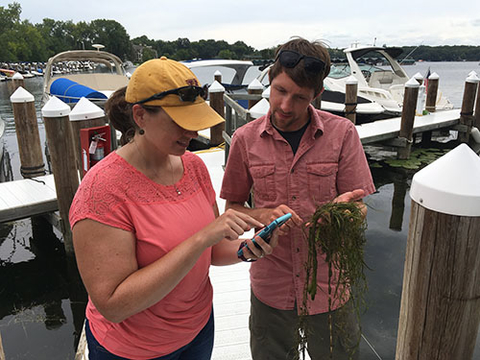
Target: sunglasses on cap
{"type": "Point", "coordinates": [185, 93]}
{"type": "Point", "coordinates": [290, 59]}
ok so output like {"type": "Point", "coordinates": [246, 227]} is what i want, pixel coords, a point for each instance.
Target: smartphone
{"type": "Point", "coordinates": [266, 232]}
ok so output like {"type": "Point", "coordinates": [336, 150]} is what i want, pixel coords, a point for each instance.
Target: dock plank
{"type": "Point", "coordinates": [381, 130]}
{"type": "Point", "coordinates": [25, 198]}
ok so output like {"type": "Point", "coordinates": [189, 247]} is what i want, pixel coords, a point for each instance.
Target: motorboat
{"type": "Point", "coordinates": [234, 72]}
{"type": "Point", "coordinates": [74, 74]}
{"type": "Point", "coordinates": [381, 78]}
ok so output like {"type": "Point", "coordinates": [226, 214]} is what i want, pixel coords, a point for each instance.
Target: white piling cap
{"type": "Point", "coordinates": [21, 96]}
{"type": "Point", "coordinates": [434, 76]}
{"type": "Point", "coordinates": [55, 108]}
{"type": "Point", "coordinates": [472, 78]}
{"type": "Point", "coordinates": [473, 72]}
{"type": "Point", "coordinates": [216, 87]}
{"type": "Point", "coordinates": [351, 80]}
{"type": "Point", "coordinates": [255, 85]}
{"type": "Point", "coordinates": [86, 110]}
{"type": "Point", "coordinates": [266, 93]}
{"type": "Point", "coordinates": [217, 73]}
{"type": "Point", "coordinates": [450, 184]}
{"type": "Point", "coordinates": [17, 76]}
{"type": "Point", "coordinates": [412, 83]}
{"type": "Point", "coordinates": [418, 76]}
{"type": "Point", "coordinates": [260, 108]}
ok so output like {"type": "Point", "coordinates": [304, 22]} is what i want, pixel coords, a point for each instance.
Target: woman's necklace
{"type": "Point", "coordinates": [173, 177]}
{"type": "Point", "coordinates": [156, 172]}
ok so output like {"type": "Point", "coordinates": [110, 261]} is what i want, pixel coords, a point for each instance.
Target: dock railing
{"type": "Point", "coordinates": [235, 116]}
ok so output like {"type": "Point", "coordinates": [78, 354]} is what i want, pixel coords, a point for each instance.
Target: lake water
{"type": "Point", "coordinates": [41, 302]}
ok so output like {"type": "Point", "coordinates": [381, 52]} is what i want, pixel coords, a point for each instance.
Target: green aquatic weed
{"type": "Point", "coordinates": [336, 230]}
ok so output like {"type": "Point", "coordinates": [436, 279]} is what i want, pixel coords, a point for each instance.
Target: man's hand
{"type": "Point", "coordinates": [355, 195]}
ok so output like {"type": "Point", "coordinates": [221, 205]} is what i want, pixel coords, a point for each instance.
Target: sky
{"type": "Point", "coordinates": [268, 23]}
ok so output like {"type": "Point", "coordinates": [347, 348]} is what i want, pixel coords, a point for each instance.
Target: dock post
{"type": "Point", "coordinates": [440, 305]}
{"type": "Point", "coordinates": [476, 122]}
{"type": "Point", "coordinates": [65, 173]}
{"type": "Point", "coordinates": [254, 88]}
{"type": "Point", "coordinates": [18, 81]}
{"type": "Point", "coordinates": [418, 77]}
{"type": "Point", "coordinates": [2, 353]}
{"type": "Point", "coordinates": [408, 117]}
{"type": "Point", "coordinates": [28, 136]}
{"type": "Point", "coordinates": [216, 91]}
{"type": "Point", "coordinates": [85, 114]}
{"type": "Point", "coordinates": [466, 114]}
{"type": "Point", "coordinates": [351, 90]}
{"type": "Point", "coordinates": [432, 90]}
{"type": "Point", "coordinates": [217, 76]}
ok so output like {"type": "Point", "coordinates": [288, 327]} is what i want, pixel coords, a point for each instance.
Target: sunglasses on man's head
{"type": "Point", "coordinates": [290, 59]}
{"type": "Point", "coordinates": [185, 93]}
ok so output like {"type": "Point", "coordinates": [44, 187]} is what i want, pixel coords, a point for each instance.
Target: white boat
{"type": "Point", "coordinates": [383, 84]}
{"type": "Point", "coordinates": [93, 74]}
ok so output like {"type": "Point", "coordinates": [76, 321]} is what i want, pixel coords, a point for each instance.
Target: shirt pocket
{"type": "Point", "coordinates": [322, 181]}
{"type": "Point", "coordinates": [263, 182]}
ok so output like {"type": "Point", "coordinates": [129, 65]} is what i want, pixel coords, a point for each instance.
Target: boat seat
{"type": "Point", "coordinates": [99, 81]}
{"type": "Point", "coordinates": [381, 79]}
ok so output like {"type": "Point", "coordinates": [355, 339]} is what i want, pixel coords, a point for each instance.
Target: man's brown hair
{"type": "Point", "coordinates": [298, 73]}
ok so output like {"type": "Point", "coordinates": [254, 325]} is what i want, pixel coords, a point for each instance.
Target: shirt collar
{"type": "Point", "coordinates": [316, 122]}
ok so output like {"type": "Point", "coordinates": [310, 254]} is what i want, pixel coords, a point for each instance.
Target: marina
{"type": "Point", "coordinates": [386, 241]}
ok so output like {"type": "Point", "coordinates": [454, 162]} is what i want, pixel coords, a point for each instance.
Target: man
{"type": "Point", "coordinates": [294, 159]}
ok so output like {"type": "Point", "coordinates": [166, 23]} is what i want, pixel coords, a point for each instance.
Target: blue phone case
{"type": "Point", "coordinates": [266, 232]}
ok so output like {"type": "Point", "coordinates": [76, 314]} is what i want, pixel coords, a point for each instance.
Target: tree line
{"type": "Point", "coordinates": [21, 40]}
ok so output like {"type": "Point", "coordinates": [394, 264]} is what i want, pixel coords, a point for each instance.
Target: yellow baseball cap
{"type": "Point", "coordinates": [156, 76]}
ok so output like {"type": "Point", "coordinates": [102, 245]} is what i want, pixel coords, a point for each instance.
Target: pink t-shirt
{"type": "Point", "coordinates": [329, 161]}
{"type": "Point", "coordinates": [116, 194]}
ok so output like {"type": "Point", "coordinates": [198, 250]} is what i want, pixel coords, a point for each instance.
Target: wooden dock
{"type": "Point", "coordinates": [388, 129]}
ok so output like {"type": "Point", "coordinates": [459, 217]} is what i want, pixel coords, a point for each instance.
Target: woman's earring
{"type": "Point", "coordinates": [141, 131]}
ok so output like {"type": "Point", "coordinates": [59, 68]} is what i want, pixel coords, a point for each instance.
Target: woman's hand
{"type": "Point", "coordinates": [252, 252]}
{"type": "Point", "coordinates": [230, 225]}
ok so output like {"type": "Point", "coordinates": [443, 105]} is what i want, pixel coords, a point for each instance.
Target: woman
{"type": "Point", "coordinates": [146, 226]}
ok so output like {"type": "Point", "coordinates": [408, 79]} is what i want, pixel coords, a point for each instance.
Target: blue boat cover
{"type": "Point", "coordinates": [70, 91]}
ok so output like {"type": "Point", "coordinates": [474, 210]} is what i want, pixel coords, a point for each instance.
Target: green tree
{"type": "Point", "coordinates": [226, 54]}
{"type": "Point", "coordinates": [113, 36]}
{"type": "Point", "coordinates": [9, 23]}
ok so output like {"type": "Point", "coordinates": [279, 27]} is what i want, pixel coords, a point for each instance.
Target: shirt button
{"type": "Point", "coordinates": [298, 249]}
{"type": "Point", "coordinates": [298, 275]}
{"type": "Point", "coordinates": [294, 198]}
{"type": "Point", "coordinates": [292, 171]}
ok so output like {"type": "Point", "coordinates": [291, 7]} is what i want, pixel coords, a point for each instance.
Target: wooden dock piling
{"type": "Point", "coordinates": [254, 88]}
{"type": "Point", "coordinates": [85, 114]}
{"type": "Point", "coordinates": [28, 136]}
{"type": "Point", "coordinates": [476, 122]}
{"type": "Point", "coordinates": [351, 91]}
{"type": "Point", "coordinates": [17, 81]}
{"type": "Point", "coordinates": [432, 90]}
{"type": "Point", "coordinates": [466, 114]}
{"type": "Point", "coordinates": [408, 117]}
{"type": "Point", "coordinates": [2, 353]}
{"type": "Point", "coordinates": [59, 137]}
{"type": "Point", "coordinates": [440, 306]}
{"type": "Point", "coordinates": [216, 91]}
